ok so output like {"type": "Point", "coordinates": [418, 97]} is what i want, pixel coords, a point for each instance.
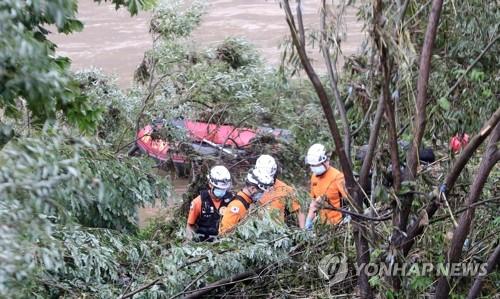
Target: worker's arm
{"type": "Point", "coordinates": [189, 231]}
{"type": "Point", "coordinates": [194, 213]}
{"type": "Point", "coordinates": [341, 187]}
{"type": "Point", "coordinates": [313, 207]}
{"type": "Point", "coordinates": [311, 214]}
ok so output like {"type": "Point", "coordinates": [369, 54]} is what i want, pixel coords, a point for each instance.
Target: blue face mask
{"type": "Point", "coordinates": [219, 193]}
{"type": "Point", "coordinates": [257, 196]}
{"type": "Point", "coordinates": [318, 169]}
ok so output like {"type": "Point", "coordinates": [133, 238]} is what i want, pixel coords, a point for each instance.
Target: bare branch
{"type": "Point", "coordinates": [423, 80]}
{"type": "Point", "coordinates": [372, 143]}
{"type": "Point", "coordinates": [472, 65]}
{"type": "Point", "coordinates": [300, 22]}
{"type": "Point", "coordinates": [323, 97]}
{"type": "Point", "coordinates": [461, 210]}
{"type": "Point", "coordinates": [331, 67]}
{"type": "Point", "coordinates": [360, 216]}
{"type": "Point", "coordinates": [249, 275]}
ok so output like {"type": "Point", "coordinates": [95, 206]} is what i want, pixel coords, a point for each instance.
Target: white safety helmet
{"type": "Point", "coordinates": [219, 177]}
{"type": "Point", "coordinates": [260, 179]}
{"type": "Point", "coordinates": [316, 154]}
{"type": "Point", "coordinates": [267, 164]}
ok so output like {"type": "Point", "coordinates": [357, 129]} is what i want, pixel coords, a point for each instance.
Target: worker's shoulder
{"type": "Point", "coordinates": [195, 203]}
{"type": "Point", "coordinates": [196, 200]}
{"type": "Point", "coordinates": [235, 206]}
{"type": "Point", "coordinates": [335, 174]}
{"type": "Point", "coordinates": [280, 185]}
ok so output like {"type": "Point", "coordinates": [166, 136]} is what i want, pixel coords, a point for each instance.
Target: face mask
{"type": "Point", "coordinates": [318, 170]}
{"type": "Point", "coordinates": [257, 196]}
{"type": "Point", "coordinates": [219, 193]}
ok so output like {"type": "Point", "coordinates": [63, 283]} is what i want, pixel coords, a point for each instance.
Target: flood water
{"type": "Point", "coordinates": [115, 42]}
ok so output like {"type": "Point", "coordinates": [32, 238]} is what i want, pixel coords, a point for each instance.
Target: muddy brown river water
{"type": "Point", "coordinates": [115, 42]}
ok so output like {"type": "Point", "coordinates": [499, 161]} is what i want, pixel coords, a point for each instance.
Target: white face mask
{"type": "Point", "coordinates": [318, 169]}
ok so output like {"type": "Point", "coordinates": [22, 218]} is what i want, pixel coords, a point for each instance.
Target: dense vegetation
{"type": "Point", "coordinates": [69, 193]}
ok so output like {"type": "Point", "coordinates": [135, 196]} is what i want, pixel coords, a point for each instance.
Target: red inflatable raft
{"type": "Point", "coordinates": [206, 138]}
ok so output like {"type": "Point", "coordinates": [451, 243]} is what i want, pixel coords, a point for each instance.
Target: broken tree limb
{"type": "Point", "coordinates": [461, 210]}
{"type": "Point", "coordinates": [249, 275]}
{"type": "Point", "coordinates": [360, 216]}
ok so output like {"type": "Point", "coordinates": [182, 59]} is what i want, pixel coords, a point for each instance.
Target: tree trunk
{"type": "Point", "coordinates": [490, 158]}
{"type": "Point", "coordinates": [363, 256]}
{"type": "Point", "coordinates": [417, 229]}
{"type": "Point", "coordinates": [423, 80]}
{"type": "Point", "coordinates": [491, 264]}
{"type": "Point", "coordinates": [402, 214]}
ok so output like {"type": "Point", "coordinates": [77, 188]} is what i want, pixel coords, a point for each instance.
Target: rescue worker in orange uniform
{"type": "Point", "coordinates": [256, 183]}
{"type": "Point", "coordinates": [281, 197]}
{"type": "Point", "coordinates": [208, 207]}
{"type": "Point", "coordinates": [327, 184]}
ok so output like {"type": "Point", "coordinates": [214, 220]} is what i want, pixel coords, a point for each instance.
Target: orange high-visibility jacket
{"type": "Point", "coordinates": [195, 209]}
{"type": "Point", "coordinates": [278, 197]}
{"type": "Point", "coordinates": [330, 184]}
{"type": "Point", "coordinates": [234, 212]}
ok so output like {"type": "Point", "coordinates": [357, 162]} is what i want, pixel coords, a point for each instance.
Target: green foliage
{"type": "Point", "coordinates": [420, 283]}
{"type": "Point", "coordinates": [78, 180]}
{"type": "Point", "coordinates": [102, 264]}
{"type": "Point", "coordinates": [237, 53]}
{"type": "Point", "coordinates": [171, 21]}
{"type": "Point", "coordinates": [69, 206]}
{"type": "Point", "coordinates": [50, 185]}
{"type": "Point", "coordinates": [28, 69]}
{"type": "Point", "coordinates": [466, 28]}
{"type": "Point", "coordinates": [119, 109]}
{"type": "Point", "coordinates": [31, 76]}
{"type": "Point", "coordinates": [133, 6]}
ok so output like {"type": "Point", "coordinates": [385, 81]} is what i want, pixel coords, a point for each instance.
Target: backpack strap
{"type": "Point", "coordinates": [227, 198]}
{"type": "Point", "coordinates": [206, 200]}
